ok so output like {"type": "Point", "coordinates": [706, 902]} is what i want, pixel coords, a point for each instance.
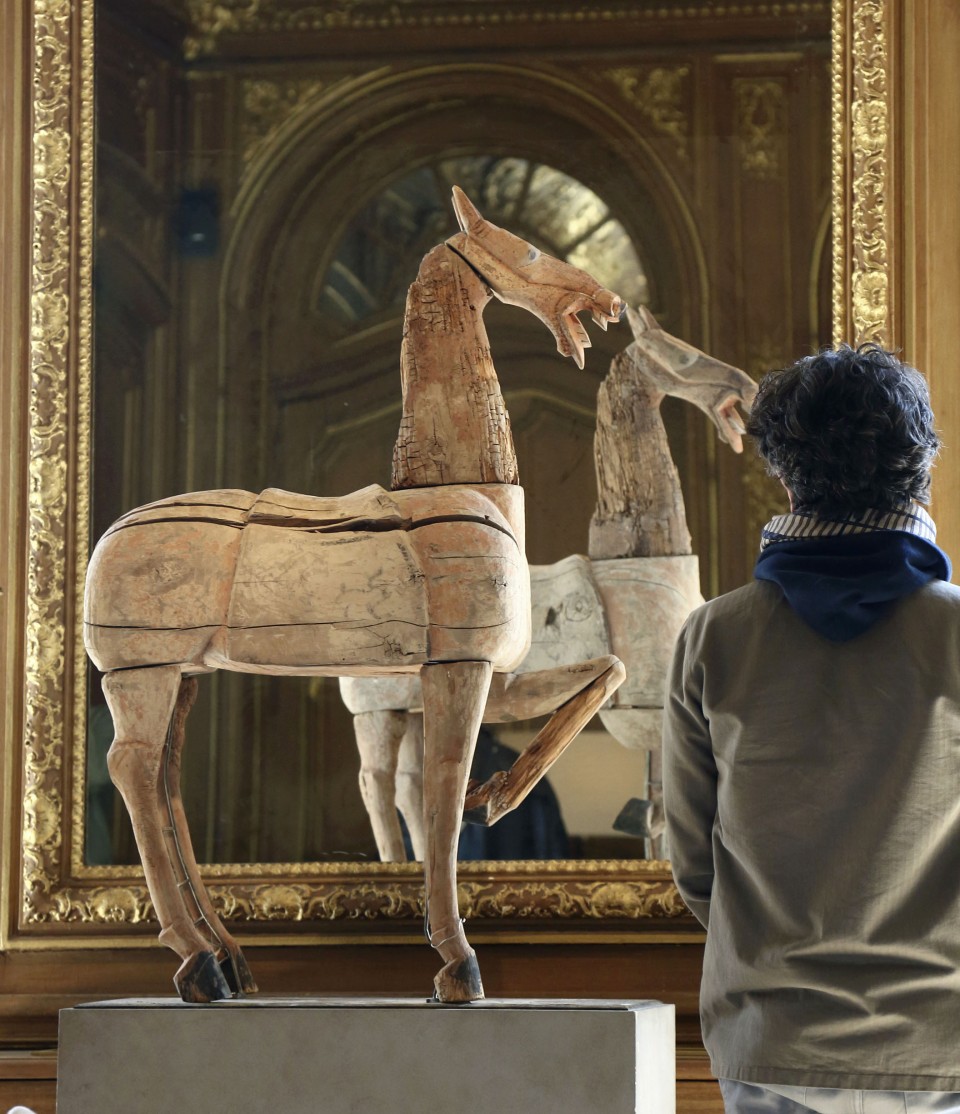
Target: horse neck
{"type": "Point", "coordinates": [640, 511]}
{"type": "Point", "coordinates": [454, 427]}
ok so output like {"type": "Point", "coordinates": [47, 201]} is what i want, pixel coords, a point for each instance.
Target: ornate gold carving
{"type": "Point", "coordinates": [838, 69]}
{"type": "Point", "coordinates": [84, 417]}
{"type": "Point", "coordinates": [342, 900]}
{"type": "Point", "coordinates": [614, 898]}
{"type": "Point", "coordinates": [555, 891]}
{"type": "Point", "coordinates": [50, 338]}
{"type": "Point", "coordinates": [660, 94]}
{"type": "Point", "coordinates": [761, 124]}
{"type": "Point", "coordinates": [113, 905]}
{"type": "Point", "coordinates": [870, 170]}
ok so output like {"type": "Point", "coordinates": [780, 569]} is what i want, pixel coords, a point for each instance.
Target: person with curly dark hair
{"type": "Point", "coordinates": [811, 764]}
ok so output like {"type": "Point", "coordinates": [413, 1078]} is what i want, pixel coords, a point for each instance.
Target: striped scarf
{"type": "Point", "coordinates": [805, 524]}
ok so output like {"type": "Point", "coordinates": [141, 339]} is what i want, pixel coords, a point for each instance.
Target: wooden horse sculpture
{"type": "Point", "coordinates": [429, 578]}
{"type": "Point", "coordinates": [630, 597]}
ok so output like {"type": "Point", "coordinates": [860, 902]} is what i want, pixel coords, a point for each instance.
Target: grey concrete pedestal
{"type": "Point", "coordinates": [367, 1056]}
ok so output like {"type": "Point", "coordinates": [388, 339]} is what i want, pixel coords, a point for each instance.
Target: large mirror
{"type": "Point", "coordinates": [262, 178]}
{"type": "Point", "coordinates": [258, 221]}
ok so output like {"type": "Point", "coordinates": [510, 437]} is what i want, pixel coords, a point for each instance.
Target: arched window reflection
{"type": "Point", "coordinates": [384, 241]}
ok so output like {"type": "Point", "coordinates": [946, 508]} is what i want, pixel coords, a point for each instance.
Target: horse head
{"type": "Point", "coordinates": [680, 370]}
{"type": "Point", "coordinates": [520, 275]}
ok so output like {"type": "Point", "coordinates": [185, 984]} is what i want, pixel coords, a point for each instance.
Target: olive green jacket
{"type": "Point", "coordinates": [812, 792]}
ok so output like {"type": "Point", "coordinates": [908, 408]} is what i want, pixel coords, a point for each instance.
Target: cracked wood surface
{"type": "Point", "coordinates": [290, 583]}
{"type": "Point", "coordinates": [455, 427]}
{"type": "Point", "coordinates": [640, 510]}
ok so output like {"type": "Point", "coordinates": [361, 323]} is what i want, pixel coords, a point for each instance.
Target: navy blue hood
{"type": "Point", "coordinates": [840, 586]}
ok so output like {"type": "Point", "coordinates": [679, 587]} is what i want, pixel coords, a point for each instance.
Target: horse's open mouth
{"type": "Point", "coordinates": [729, 422]}
{"type": "Point", "coordinates": [572, 338]}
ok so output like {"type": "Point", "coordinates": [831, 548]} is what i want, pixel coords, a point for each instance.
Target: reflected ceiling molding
{"type": "Point", "coordinates": [385, 239]}
{"type": "Point", "coordinates": [210, 20]}
{"type": "Point", "coordinates": [660, 93]}
{"type": "Point", "coordinates": [275, 115]}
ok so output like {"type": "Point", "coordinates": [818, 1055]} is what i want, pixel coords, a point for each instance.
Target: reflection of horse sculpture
{"type": "Point", "coordinates": [630, 597]}
{"type": "Point", "coordinates": [429, 579]}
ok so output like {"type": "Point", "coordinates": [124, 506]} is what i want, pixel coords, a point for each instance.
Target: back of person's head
{"type": "Point", "coordinates": [846, 430]}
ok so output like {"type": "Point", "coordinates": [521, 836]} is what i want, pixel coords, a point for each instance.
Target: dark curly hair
{"type": "Point", "coordinates": [847, 429]}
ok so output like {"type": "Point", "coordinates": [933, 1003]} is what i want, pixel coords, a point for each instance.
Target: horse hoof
{"type": "Point", "coordinates": [483, 804]}
{"type": "Point", "coordinates": [459, 981]}
{"type": "Point", "coordinates": [479, 815]}
{"type": "Point", "coordinates": [237, 974]}
{"type": "Point", "coordinates": [201, 980]}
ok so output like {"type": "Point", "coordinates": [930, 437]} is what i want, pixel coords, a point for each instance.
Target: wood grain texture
{"type": "Point", "coordinates": [454, 426]}
{"type": "Point", "coordinates": [646, 601]}
{"type": "Point", "coordinates": [291, 583]}
{"type": "Point", "coordinates": [503, 792]}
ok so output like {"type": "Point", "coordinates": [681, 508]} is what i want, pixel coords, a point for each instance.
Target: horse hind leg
{"type": "Point", "coordinates": [141, 702]}
{"type": "Point", "coordinates": [577, 692]}
{"type": "Point", "coordinates": [410, 781]}
{"type": "Point", "coordinates": [180, 850]}
{"type": "Point", "coordinates": [379, 737]}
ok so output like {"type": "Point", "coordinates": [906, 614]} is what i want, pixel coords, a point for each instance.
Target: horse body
{"type": "Point", "coordinates": [374, 582]}
{"type": "Point", "coordinates": [428, 578]}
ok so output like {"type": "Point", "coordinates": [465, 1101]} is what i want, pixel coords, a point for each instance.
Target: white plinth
{"type": "Point", "coordinates": [367, 1056]}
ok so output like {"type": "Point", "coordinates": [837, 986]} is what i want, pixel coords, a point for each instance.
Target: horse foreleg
{"type": "Point", "coordinates": [141, 702]}
{"type": "Point", "coordinates": [584, 688]}
{"type": "Point", "coordinates": [379, 735]}
{"type": "Point", "coordinates": [410, 781]}
{"type": "Point", "coordinates": [180, 849]}
{"type": "Point", "coordinates": [454, 694]}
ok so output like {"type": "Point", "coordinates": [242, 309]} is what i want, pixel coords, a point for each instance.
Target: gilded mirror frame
{"type": "Point", "coordinates": [58, 897]}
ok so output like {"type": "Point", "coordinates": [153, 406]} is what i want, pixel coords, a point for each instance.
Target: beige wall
{"type": "Point", "coordinates": [930, 154]}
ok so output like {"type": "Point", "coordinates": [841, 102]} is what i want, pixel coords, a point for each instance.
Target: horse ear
{"type": "Point", "coordinates": [641, 321]}
{"type": "Point", "coordinates": [468, 215]}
